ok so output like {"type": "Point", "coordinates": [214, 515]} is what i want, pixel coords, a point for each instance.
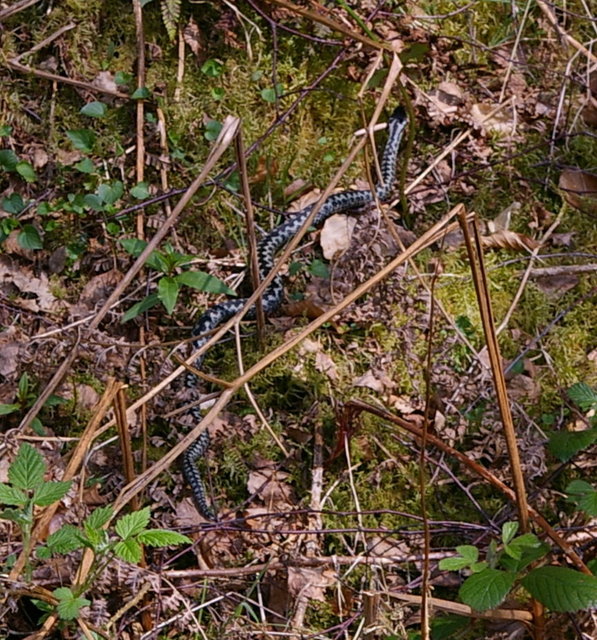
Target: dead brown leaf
{"type": "Point", "coordinates": [310, 583]}
{"type": "Point", "coordinates": [509, 240]}
{"type": "Point", "coordinates": [558, 285]}
{"type": "Point", "coordinates": [194, 38]}
{"type": "Point", "coordinates": [579, 189]}
{"type": "Point", "coordinates": [16, 280]}
{"type": "Point", "coordinates": [336, 235]}
{"type": "Point", "coordinates": [500, 122]}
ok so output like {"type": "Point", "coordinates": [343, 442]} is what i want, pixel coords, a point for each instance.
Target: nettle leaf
{"type": "Point", "coordinates": [161, 538]}
{"type": "Point", "coordinates": [132, 524]}
{"type": "Point", "coordinates": [51, 492]}
{"type": "Point", "coordinates": [582, 395]}
{"type": "Point", "coordinates": [65, 540]}
{"type": "Point", "coordinates": [140, 307]}
{"type": "Point", "coordinates": [27, 470]}
{"type": "Point", "coordinates": [99, 517]}
{"type": "Point", "coordinates": [168, 289]}
{"type": "Point", "coordinates": [129, 550]}
{"type": "Point", "coordinates": [204, 282]}
{"type": "Point", "coordinates": [26, 171]}
{"type": "Point", "coordinates": [565, 444]}
{"type": "Point", "coordinates": [94, 109]}
{"type": "Point", "coordinates": [485, 590]}
{"type": "Point", "coordinates": [29, 238]}
{"type": "Point", "coordinates": [69, 606]}
{"type": "Point", "coordinates": [82, 139]}
{"type": "Point", "coordinates": [12, 495]}
{"type": "Point", "coordinates": [562, 589]}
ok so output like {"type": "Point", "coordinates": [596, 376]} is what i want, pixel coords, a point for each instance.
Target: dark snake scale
{"type": "Point", "coordinates": [272, 296]}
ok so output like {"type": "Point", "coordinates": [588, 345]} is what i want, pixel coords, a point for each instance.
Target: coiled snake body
{"type": "Point", "coordinates": [272, 297]}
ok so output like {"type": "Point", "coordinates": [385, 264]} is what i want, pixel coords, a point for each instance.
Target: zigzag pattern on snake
{"type": "Point", "coordinates": [272, 297]}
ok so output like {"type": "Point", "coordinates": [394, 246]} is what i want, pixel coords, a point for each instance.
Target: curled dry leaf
{"type": "Point", "coordinates": [35, 290]}
{"type": "Point", "coordinates": [579, 189]}
{"type": "Point", "coordinates": [310, 583]}
{"type": "Point", "coordinates": [500, 122]}
{"type": "Point", "coordinates": [194, 38]}
{"type": "Point", "coordinates": [509, 240]}
{"type": "Point", "coordinates": [336, 235]}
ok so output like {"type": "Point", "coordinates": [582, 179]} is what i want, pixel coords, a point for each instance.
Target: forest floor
{"type": "Point", "coordinates": [407, 448]}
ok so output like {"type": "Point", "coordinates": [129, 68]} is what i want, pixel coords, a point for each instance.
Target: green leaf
{"type": "Point", "coordinates": [140, 191]}
{"type": "Point", "coordinates": [129, 550]}
{"type": "Point", "coordinates": [132, 524]}
{"type": "Point", "coordinates": [98, 518]}
{"type": "Point", "coordinates": [85, 166]}
{"type": "Point", "coordinates": [110, 192]}
{"type": "Point", "coordinates": [93, 201]}
{"type": "Point", "coordinates": [212, 130]}
{"type": "Point", "coordinates": [65, 540]}
{"type": "Point", "coordinates": [123, 78]}
{"type": "Point", "coordinates": [446, 627]}
{"type": "Point", "coordinates": [94, 109]}
{"type": "Point", "coordinates": [562, 589]}
{"type": "Point", "coordinates": [509, 530]}
{"type": "Point", "coordinates": [162, 538]}
{"type": "Point", "coordinates": [212, 68]}
{"type": "Point", "coordinates": [319, 269]}
{"type": "Point", "coordinates": [16, 515]}
{"type": "Point", "coordinates": [68, 607]}
{"type": "Point", "coordinates": [271, 94]}
{"type": "Point", "coordinates": [27, 470]}
{"type": "Point", "coordinates": [565, 444]}
{"type": "Point", "coordinates": [584, 495]}
{"type": "Point", "coordinates": [518, 546]}
{"type": "Point", "coordinates": [204, 282]}
{"type": "Point", "coordinates": [26, 171]}
{"type": "Point", "coordinates": [29, 238]}
{"type": "Point", "coordinates": [168, 289]}
{"type": "Point", "coordinates": [12, 495]}
{"type": "Point", "coordinates": [133, 246]}
{"type": "Point", "coordinates": [23, 388]}
{"type": "Point", "coordinates": [468, 555]}
{"type": "Point", "coordinates": [13, 203]}
{"type": "Point", "coordinates": [50, 492]}
{"type": "Point", "coordinates": [485, 590]}
{"type": "Point", "coordinates": [6, 409]}
{"type": "Point", "coordinates": [140, 307]}
{"type": "Point", "coordinates": [8, 159]}
{"type": "Point", "coordinates": [82, 139]}
{"type": "Point", "coordinates": [5, 130]}
{"type": "Point", "coordinates": [142, 93]}
{"type": "Point", "coordinates": [582, 395]}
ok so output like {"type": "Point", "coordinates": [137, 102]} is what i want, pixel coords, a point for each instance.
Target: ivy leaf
{"type": "Point", "coordinates": [132, 524]}
{"type": "Point", "coordinates": [168, 289]}
{"type": "Point", "coordinates": [12, 495]}
{"type": "Point", "coordinates": [82, 139]}
{"type": "Point", "coordinates": [128, 550]}
{"type": "Point", "coordinates": [50, 492]}
{"type": "Point", "coordinates": [94, 109]}
{"type": "Point", "coordinates": [162, 538]}
{"type": "Point", "coordinates": [29, 238]}
{"type": "Point", "coordinates": [204, 282]}
{"type": "Point", "coordinates": [69, 606]}
{"type": "Point", "coordinates": [485, 590]}
{"type": "Point", "coordinates": [27, 470]}
{"type": "Point", "coordinates": [562, 589]}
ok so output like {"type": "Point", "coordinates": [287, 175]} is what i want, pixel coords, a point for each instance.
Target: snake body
{"type": "Point", "coordinates": [272, 296]}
